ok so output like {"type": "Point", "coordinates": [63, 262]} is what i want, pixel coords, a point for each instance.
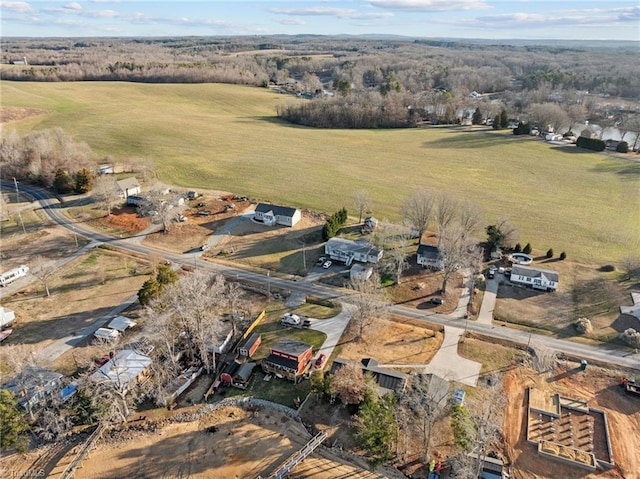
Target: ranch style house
{"type": "Point", "coordinates": [543, 279]}
{"type": "Point", "coordinates": [272, 215]}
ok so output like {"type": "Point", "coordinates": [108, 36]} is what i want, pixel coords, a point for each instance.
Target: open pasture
{"type": "Point", "coordinates": [227, 137]}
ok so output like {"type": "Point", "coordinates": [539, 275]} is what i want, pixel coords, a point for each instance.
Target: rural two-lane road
{"type": "Point", "coordinates": [616, 357]}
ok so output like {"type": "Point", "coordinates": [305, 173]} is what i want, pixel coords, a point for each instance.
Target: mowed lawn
{"type": "Point", "coordinates": [226, 137]}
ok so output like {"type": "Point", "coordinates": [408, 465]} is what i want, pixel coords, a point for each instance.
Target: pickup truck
{"type": "Point", "coordinates": [295, 320]}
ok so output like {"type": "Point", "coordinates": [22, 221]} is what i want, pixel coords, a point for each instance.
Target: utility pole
{"type": "Point", "coordinates": [15, 182]}
{"type": "Point", "coordinates": [269, 284]}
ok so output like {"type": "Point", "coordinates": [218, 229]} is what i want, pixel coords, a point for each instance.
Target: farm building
{"type": "Point", "coordinates": [249, 345]}
{"type": "Point", "coordinates": [288, 359]}
{"type": "Point", "coordinates": [348, 251]}
{"type": "Point", "coordinates": [360, 272]}
{"type": "Point", "coordinates": [34, 385]}
{"type": "Point", "coordinates": [272, 215]}
{"type": "Point", "coordinates": [543, 279]}
{"type": "Point", "coordinates": [429, 256]}
{"type": "Point", "coordinates": [128, 187]}
{"type": "Point", "coordinates": [121, 323]}
{"type": "Point", "coordinates": [386, 379]}
{"type": "Point", "coordinates": [126, 369]}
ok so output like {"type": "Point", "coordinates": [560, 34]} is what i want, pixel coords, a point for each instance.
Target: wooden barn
{"type": "Point", "coordinates": [288, 359]}
{"type": "Point", "coordinates": [249, 345]}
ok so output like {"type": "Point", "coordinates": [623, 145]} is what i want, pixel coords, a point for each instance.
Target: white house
{"type": "Point", "coordinates": [129, 186]}
{"type": "Point", "coordinates": [537, 278]}
{"type": "Point", "coordinates": [347, 251]}
{"type": "Point", "coordinates": [429, 256]}
{"type": "Point", "coordinates": [272, 215]}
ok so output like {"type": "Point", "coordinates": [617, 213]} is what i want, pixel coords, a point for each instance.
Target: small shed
{"type": "Point", "coordinates": [107, 334]}
{"type": "Point", "coordinates": [360, 272]}
{"type": "Point", "coordinates": [243, 375]}
{"type": "Point", "coordinates": [7, 317]}
{"type": "Point", "coordinates": [229, 372]}
{"type": "Point", "coordinates": [121, 323]}
{"type": "Point", "coordinates": [129, 186]}
{"type": "Point", "coordinates": [249, 345]}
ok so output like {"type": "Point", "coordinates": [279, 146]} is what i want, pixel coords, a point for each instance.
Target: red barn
{"type": "Point", "coordinates": [289, 359]}
{"type": "Point", "coordinates": [249, 345]}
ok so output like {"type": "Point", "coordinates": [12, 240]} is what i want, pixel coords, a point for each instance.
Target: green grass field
{"type": "Point", "coordinates": [225, 137]}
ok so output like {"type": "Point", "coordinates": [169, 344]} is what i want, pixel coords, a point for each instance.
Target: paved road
{"type": "Point", "coordinates": [602, 354]}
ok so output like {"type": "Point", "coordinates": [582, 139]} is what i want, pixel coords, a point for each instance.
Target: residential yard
{"type": "Point", "coordinates": [82, 291]}
{"type": "Point", "coordinates": [584, 291]}
{"type": "Point", "coordinates": [277, 248]}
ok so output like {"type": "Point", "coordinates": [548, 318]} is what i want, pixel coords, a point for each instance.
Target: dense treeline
{"type": "Point", "coordinates": [47, 157]}
{"type": "Point", "coordinates": [358, 82]}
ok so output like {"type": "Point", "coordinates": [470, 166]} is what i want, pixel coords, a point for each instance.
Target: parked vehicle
{"type": "Point", "coordinates": [321, 260]}
{"type": "Point", "coordinates": [295, 320]}
{"type": "Point", "coordinates": [320, 361]}
{"type": "Point", "coordinates": [436, 300]}
{"type": "Point", "coordinates": [204, 247]}
{"type": "Point", "coordinates": [630, 386]}
{"type": "Point", "coordinates": [327, 264]}
{"type": "Point", "coordinates": [13, 274]}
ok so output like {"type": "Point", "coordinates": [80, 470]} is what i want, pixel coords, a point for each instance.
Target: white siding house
{"type": "Point", "coordinates": [429, 256]}
{"type": "Point", "coordinates": [272, 215]}
{"type": "Point", "coordinates": [348, 251]}
{"type": "Point", "coordinates": [543, 279]}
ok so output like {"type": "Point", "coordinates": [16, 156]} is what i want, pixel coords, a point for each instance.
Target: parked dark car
{"type": "Point", "coordinates": [436, 300]}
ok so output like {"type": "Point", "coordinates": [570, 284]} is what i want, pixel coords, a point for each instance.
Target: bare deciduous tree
{"type": "Point", "coordinates": [361, 203]}
{"type": "Point", "coordinates": [549, 116]}
{"type": "Point", "coordinates": [43, 270]}
{"type": "Point", "coordinates": [418, 210]}
{"type": "Point", "coordinates": [369, 301]}
{"type": "Point", "coordinates": [446, 209]}
{"type": "Point", "coordinates": [393, 239]}
{"type": "Point", "coordinates": [423, 404]}
{"type": "Point", "coordinates": [105, 192]}
{"type": "Point", "coordinates": [631, 266]}
{"type": "Point", "coordinates": [348, 383]}
{"type": "Point", "coordinates": [458, 252]}
{"type": "Point", "coordinates": [470, 218]}
{"type": "Point", "coordinates": [167, 207]}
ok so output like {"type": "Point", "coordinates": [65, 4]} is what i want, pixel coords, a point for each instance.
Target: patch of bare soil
{"type": "Point", "coordinates": [393, 342]}
{"type": "Point", "coordinates": [14, 113]}
{"type": "Point", "coordinates": [125, 219]}
{"type": "Point", "coordinates": [229, 443]}
{"type": "Point", "coordinates": [600, 388]}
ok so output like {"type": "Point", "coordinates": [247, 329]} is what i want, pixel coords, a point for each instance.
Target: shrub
{"type": "Point", "coordinates": [563, 256]}
{"type": "Point", "coordinates": [607, 268]}
{"type": "Point", "coordinates": [623, 147]}
{"type": "Point", "coordinates": [518, 248]}
{"type": "Point", "coordinates": [583, 325]}
{"type": "Point", "coordinates": [527, 249]}
{"type": "Point", "coordinates": [522, 129]}
{"type": "Point", "coordinates": [590, 143]}
{"type": "Point", "coordinates": [631, 337]}
{"type": "Point", "coordinates": [550, 253]}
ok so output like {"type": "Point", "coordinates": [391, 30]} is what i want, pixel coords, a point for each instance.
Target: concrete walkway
{"type": "Point", "coordinates": [448, 364]}
{"type": "Point", "coordinates": [485, 316]}
{"type": "Point", "coordinates": [463, 302]}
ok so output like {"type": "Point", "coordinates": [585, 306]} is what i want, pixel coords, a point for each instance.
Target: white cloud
{"type": "Point", "coordinates": [73, 6]}
{"type": "Point", "coordinates": [348, 13]}
{"type": "Point", "coordinates": [292, 21]}
{"type": "Point", "coordinates": [17, 7]}
{"type": "Point", "coordinates": [430, 5]}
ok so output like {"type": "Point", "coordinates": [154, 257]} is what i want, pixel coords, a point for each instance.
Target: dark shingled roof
{"type": "Point", "coordinates": [429, 251]}
{"type": "Point", "coordinates": [249, 341]}
{"type": "Point", "coordinates": [289, 346]}
{"type": "Point", "coordinates": [277, 210]}
{"type": "Point", "coordinates": [385, 378]}
{"type": "Point", "coordinates": [280, 361]}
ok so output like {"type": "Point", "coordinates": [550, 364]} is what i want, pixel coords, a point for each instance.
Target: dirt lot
{"type": "Point", "coordinates": [600, 388]}
{"type": "Point", "coordinates": [230, 443]}
{"type": "Point", "coordinates": [11, 113]}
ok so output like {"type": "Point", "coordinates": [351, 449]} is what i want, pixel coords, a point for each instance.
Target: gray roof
{"type": "Point", "coordinates": [361, 247]}
{"type": "Point", "coordinates": [289, 346]}
{"type": "Point", "coordinates": [244, 372]}
{"type": "Point", "coordinates": [429, 251]}
{"type": "Point", "coordinates": [535, 272]}
{"type": "Point", "coordinates": [128, 183]}
{"type": "Point", "coordinates": [32, 382]}
{"type": "Point", "coordinates": [275, 209]}
{"type": "Point", "coordinates": [385, 378]}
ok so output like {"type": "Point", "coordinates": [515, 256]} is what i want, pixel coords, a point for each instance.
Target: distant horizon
{"type": "Point", "coordinates": [497, 20]}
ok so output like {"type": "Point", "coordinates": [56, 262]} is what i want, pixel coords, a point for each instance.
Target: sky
{"type": "Point", "coordinates": [491, 19]}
